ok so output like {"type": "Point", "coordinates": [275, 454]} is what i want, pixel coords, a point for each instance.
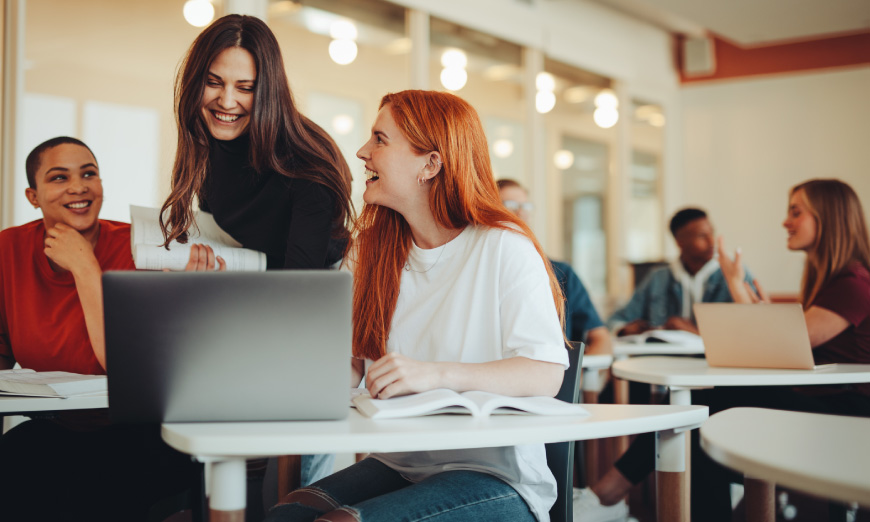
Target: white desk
{"type": "Point", "coordinates": [682, 374]}
{"type": "Point", "coordinates": [591, 381]}
{"type": "Point", "coordinates": [823, 455]}
{"type": "Point", "coordinates": [227, 445]}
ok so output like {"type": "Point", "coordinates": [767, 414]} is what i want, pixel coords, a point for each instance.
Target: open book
{"type": "Point", "coordinates": [681, 337]}
{"type": "Point", "coordinates": [477, 403]}
{"type": "Point", "coordinates": [50, 384]}
{"type": "Point", "coordinates": [146, 238]}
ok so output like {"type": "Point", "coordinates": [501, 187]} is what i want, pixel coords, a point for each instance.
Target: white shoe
{"type": "Point", "coordinates": [588, 508]}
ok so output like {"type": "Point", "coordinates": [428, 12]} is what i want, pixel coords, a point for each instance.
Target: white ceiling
{"type": "Point", "coordinates": [753, 22]}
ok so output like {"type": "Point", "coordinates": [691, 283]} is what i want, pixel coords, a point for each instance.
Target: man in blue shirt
{"type": "Point", "coordinates": [582, 322]}
{"type": "Point", "coordinates": [665, 297]}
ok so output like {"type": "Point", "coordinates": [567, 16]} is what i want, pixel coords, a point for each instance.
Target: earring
{"type": "Point", "coordinates": [420, 181]}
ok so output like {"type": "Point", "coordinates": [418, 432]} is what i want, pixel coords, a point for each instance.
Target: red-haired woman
{"type": "Point", "coordinates": [451, 290]}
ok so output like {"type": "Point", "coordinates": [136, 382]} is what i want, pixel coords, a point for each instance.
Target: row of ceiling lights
{"type": "Point", "coordinates": [343, 51]}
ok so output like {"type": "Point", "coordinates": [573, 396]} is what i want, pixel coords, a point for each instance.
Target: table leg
{"type": "Point", "coordinates": [592, 445]}
{"type": "Point", "coordinates": [759, 500]}
{"type": "Point", "coordinates": [672, 484]}
{"type": "Point", "coordinates": [228, 490]}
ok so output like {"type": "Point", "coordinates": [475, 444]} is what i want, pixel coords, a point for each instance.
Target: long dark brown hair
{"type": "Point", "coordinates": [280, 135]}
{"type": "Point", "coordinates": [463, 193]}
{"type": "Point", "coordinates": [841, 233]}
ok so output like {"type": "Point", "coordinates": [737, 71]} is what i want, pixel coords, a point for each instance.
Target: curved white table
{"type": "Point", "coordinates": [681, 375]}
{"type": "Point", "coordinates": [823, 455]}
{"type": "Point", "coordinates": [226, 445]}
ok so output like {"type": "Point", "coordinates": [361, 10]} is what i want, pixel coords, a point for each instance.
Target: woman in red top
{"type": "Point", "coordinates": [74, 466]}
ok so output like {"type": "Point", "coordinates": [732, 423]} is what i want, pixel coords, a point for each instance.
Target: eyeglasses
{"type": "Point", "coordinates": [514, 206]}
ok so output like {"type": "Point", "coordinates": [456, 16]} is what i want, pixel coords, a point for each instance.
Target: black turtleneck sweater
{"type": "Point", "coordinates": [289, 219]}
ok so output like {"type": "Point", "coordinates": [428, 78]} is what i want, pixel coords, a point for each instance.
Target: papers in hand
{"type": "Point", "coordinates": [50, 384]}
{"type": "Point", "coordinates": [476, 403]}
{"type": "Point", "coordinates": [146, 238]}
{"type": "Point", "coordinates": [681, 337]}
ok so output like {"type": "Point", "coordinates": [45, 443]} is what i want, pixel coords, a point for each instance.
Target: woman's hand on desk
{"type": "Point", "coordinates": [202, 259]}
{"type": "Point", "coordinates": [69, 250]}
{"type": "Point", "coordinates": [394, 374]}
{"type": "Point", "coordinates": [679, 323]}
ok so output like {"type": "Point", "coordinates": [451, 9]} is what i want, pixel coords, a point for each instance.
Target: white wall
{"type": "Point", "coordinates": [747, 142]}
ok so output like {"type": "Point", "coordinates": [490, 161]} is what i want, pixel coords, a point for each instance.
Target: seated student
{"type": "Point", "coordinates": [664, 299]}
{"type": "Point", "coordinates": [582, 322]}
{"type": "Point", "coordinates": [450, 291]}
{"type": "Point", "coordinates": [825, 220]}
{"type": "Point", "coordinates": [75, 465]}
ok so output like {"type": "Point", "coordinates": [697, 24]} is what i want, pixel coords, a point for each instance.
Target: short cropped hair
{"type": "Point", "coordinates": [508, 183]}
{"type": "Point", "coordinates": [684, 217]}
{"type": "Point", "coordinates": [34, 159]}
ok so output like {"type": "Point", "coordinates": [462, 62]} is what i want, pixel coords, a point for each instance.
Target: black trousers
{"type": "Point", "coordinates": [711, 498]}
{"type": "Point", "coordinates": [117, 472]}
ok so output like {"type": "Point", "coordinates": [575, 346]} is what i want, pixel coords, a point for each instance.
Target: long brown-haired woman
{"type": "Point", "coordinates": [451, 290]}
{"type": "Point", "coordinates": [825, 220]}
{"type": "Point", "coordinates": [271, 177]}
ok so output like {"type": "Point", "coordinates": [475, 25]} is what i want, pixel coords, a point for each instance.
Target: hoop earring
{"type": "Point", "coordinates": [420, 181]}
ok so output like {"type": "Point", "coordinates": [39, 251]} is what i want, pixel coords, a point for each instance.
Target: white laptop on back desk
{"type": "Point", "coordinates": [755, 336]}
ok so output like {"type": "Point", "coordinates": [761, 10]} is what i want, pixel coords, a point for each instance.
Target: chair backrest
{"type": "Point", "coordinates": [560, 455]}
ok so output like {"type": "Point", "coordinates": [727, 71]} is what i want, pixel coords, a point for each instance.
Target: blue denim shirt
{"type": "Point", "coordinates": [580, 314]}
{"type": "Point", "coordinates": [660, 296]}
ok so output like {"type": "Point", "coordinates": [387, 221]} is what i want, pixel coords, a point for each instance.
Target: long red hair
{"type": "Point", "coordinates": [463, 193]}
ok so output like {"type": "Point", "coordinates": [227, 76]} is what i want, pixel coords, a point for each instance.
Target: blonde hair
{"type": "Point", "coordinates": [841, 233]}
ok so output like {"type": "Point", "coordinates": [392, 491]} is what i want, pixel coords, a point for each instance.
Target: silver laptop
{"type": "Point", "coordinates": [240, 346]}
{"type": "Point", "coordinates": [755, 335]}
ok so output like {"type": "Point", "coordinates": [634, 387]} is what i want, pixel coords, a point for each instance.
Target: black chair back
{"type": "Point", "coordinates": [560, 455]}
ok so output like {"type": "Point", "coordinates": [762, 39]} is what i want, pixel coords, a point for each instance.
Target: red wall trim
{"type": "Point", "coordinates": [733, 61]}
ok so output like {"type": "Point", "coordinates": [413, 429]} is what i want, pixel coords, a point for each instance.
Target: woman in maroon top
{"type": "Point", "coordinates": [825, 220]}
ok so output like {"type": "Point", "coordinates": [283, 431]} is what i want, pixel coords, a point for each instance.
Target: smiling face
{"type": "Point", "coordinates": [800, 223]}
{"type": "Point", "coordinates": [392, 166]}
{"type": "Point", "coordinates": [228, 97]}
{"type": "Point", "coordinates": [68, 188]}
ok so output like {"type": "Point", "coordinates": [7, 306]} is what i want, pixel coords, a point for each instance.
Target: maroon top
{"type": "Point", "coordinates": [847, 294]}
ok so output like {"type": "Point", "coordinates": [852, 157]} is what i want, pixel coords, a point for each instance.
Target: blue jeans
{"type": "Point", "coordinates": [372, 492]}
{"type": "Point", "coordinates": [315, 467]}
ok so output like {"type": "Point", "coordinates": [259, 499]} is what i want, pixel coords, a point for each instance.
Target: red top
{"type": "Point", "coordinates": [847, 294]}
{"type": "Point", "coordinates": [42, 323]}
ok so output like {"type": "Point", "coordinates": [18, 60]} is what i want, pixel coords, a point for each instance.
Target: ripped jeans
{"type": "Point", "coordinates": [372, 492]}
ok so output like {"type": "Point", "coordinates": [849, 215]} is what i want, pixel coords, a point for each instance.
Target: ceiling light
{"type": "Point", "coordinates": [453, 78]}
{"type": "Point", "coordinates": [545, 82]}
{"type": "Point", "coordinates": [656, 120]}
{"type": "Point", "coordinates": [605, 117]}
{"type": "Point", "coordinates": [545, 101]}
{"type": "Point", "coordinates": [343, 30]}
{"type": "Point", "coordinates": [198, 13]}
{"type": "Point", "coordinates": [606, 98]}
{"type": "Point", "coordinates": [342, 52]}
{"type": "Point", "coordinates": [454, 58]}
{"type": "Point", "coordinates": [503, 148]}
{"type": "Point", "coordinates": [342, 124]}
{"type": "Point", "coordinates": [563, 159]}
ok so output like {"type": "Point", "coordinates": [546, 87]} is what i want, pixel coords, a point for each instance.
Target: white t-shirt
{"type": "Point", "coordinates": [483, 296]}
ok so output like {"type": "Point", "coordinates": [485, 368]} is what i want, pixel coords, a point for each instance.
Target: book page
{"type": "Point", "coordinates": [147, 238]}
{"type": "Point", "coordinates": [495, 404]}
{"type": "Point", "coordinates": [427, 403]}
{"type": "Point", "coordinates": [62, 384]}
